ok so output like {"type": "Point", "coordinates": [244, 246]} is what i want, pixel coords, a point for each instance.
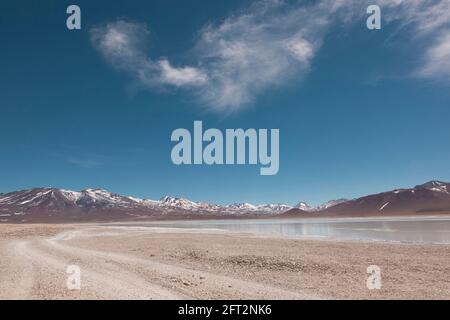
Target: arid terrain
{"type": "Point", "coordinates": [161, 263]}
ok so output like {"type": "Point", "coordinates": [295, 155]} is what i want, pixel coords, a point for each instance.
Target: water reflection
{"type": "Point", "coordinates": [416, 230]}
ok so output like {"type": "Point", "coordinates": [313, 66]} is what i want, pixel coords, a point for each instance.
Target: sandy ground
{"type": "Point", "coordinates": [150, 263]}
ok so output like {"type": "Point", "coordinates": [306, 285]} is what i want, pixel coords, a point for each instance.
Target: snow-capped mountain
{"type": "Point", "coordinates": [59, 205]}
{"type": "Point", "coordinates": [42, 203]}
{"type": "Point", "coordinates": [178, 203]}
{"type": "Point", "coordinates": [52, 201]}
{"type": "Point", "coordinates": [240, 207]}
{"type": "Point", "coordinates": [329, 204]}
{"type": "Point", "coordinates": [304, 206]}
{"type": "Point", "coordinates": [274, 207]}
{"type": "Point", "coordinates": [431, 197]}
{"type": "Point", "coordinates": [437, 186]}
{"type": "Point", "coordinates": [185, 204]}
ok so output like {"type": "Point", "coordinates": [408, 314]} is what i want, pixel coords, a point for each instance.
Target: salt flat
{"type": "Point", "coordinates": [163, 263]}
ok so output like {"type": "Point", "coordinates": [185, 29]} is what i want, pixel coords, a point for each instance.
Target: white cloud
{"type": "Point", "coordinates": [257, 49]}
{"type": "Point", "coordinates": [423, 16]}
{"type": "Point", "coordinates": [179, 77]}
{"type": "Point", "coordinates": [437, 59]}
{"type": "Point", "coordinates": [301, 50]}
{"type": "Point", "coordinates": [267, 45]}
{"type": "Point", "coordinates": [431, 22]}
{"type": "Point", "coordinates": [261, 47]}
{"type": "Point", "coordinates": [122, 43]}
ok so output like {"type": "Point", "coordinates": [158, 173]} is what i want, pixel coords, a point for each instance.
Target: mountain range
{"type": "Point", "coordinates": [59, 205]}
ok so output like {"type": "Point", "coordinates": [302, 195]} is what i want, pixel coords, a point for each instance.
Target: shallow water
{"type": "Point", "coordinates": [407, 229]}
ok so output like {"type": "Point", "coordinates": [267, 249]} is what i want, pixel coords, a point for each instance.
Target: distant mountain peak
{"type": "Point", "coordinates": [302, 205]}
{"type": "Point", "coordinates": [172, 199]}
{"type": "Point", "coordinates": [245, 205]}
{"type": "Point", "coordinates": [431, 184]}
{"type": "Point", "coordinates": [178, 202]}
{"type": "Point", "coordinates": [274, 207]}
{"type": "Point", "coordinates": [330, 204]}
{"type": "Point", "coordinates": [434, 185]}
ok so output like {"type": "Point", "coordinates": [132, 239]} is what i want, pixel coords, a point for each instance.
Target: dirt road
{"type": "Point", "coordinates": [36, 268]}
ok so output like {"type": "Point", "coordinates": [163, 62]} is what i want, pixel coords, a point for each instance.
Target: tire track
{"type": "Point", "coordinates": [189, 282]}
{"type": "Point", "coordinates": [99, 280]}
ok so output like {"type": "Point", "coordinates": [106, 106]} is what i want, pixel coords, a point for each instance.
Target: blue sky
{"type": "Point", "coordinates": [359, 111]}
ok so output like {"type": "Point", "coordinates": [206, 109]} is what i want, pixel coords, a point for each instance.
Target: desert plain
{"type": "Point", "coordinates": [117, 262]}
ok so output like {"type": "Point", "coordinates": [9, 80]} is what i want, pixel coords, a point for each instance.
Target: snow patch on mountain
{"type": "Point", "coordinates": [304, 206]}
{"type": "Point", "coordinates": [330, 204]}
{"type": "Point", "coordinates": [274, 207]}
{"type": "Point", "coordinates": [384, 206]}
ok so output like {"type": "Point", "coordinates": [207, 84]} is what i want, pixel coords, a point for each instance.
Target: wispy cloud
{"type": "Point", "coordinates": [437, 58]}
{"type": "Point", "coordinates": [179, 77]}
{"type": "Point", "coordinates": [261, 47]}
{"type": "Point", "coordinates": [423, 16]}
{"type": "Point", "coordinates": [267, 45]}
{"type": "Point", "coordinates": [84, 162]}
{"type": "Point", "coordinates": [122, 44]}
{"type": "Point", "coordinates": [430, 21]}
